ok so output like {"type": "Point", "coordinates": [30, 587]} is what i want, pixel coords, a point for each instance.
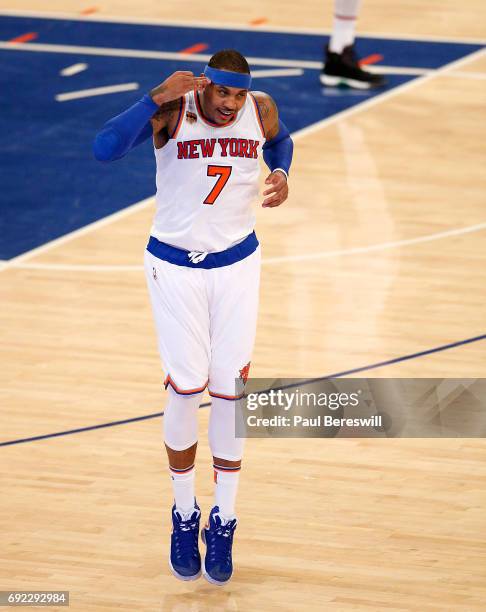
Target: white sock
{"type": "Point", "coordinates": [183, 487]}
{"type": "Point", "coordinates": [345, 15]}
{"type": "Point", "coordinates": [225, 492]}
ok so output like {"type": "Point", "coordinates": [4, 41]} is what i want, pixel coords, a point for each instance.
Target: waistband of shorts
{"type": "Point", "coordinates": [203, 260]}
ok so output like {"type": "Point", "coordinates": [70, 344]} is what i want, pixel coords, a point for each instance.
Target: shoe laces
{"type": "Point", "coordinates": [186, 534]}
{"type": "Point", "coordinates": [220, 545]}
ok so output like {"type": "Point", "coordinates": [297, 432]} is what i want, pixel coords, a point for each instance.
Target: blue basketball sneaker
{"type": "Point", "coordinates": [185, 560]}
{"type": "Point", "coordinates": [218, 537]}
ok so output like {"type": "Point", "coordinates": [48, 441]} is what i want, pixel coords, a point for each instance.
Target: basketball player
{"type": "Point", "coordinates": [341, 65]}
{"type": "Point", "coordinates": [203, 265]}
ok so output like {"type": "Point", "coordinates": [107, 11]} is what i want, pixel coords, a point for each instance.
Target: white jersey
{"type": "Point", "coordinates": [207, 179]}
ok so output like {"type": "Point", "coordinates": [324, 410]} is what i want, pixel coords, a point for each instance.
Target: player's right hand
{"type": "Point", "coordinates": [178, 84]}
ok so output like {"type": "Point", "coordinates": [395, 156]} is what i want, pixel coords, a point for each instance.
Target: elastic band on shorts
{"type": "Point", "coordinates": [198, 259]}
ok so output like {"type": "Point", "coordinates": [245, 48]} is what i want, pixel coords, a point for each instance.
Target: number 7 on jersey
{"type": "Point", "coordinates": [223, 173]}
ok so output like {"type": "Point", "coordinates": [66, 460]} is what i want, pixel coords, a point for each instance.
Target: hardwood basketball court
{"type": "Point", "coordinates": [378, 254]}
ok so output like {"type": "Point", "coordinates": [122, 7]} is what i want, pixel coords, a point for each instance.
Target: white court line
{"type": "Point", "coordinates": [377, 247]}
{"type": "Point", "coordinates": [295, 136]}
{"type": "Point", "coordinates": [384, 246]}
{"type": "Point", "coordinates": [203, 58]}
{"type": "Point", "coordinates": [260, 74]}
{"type": "Point", "coordinates": [78, 267]}
{"type": "Point", "coordinates": [96, 91]}
{"type": "Point", "coordinates": [72, 70]}
{"type": "Point", "coordinates": [381, 69]}
{"type": "Point", "coordinates": [146, 54]}
{"type": "Point", "coordinates": [243, 27]}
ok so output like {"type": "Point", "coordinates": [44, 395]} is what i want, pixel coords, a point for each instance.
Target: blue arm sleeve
{"type": "Point", "coordinates": [278, 151]}
{"type": "Point", "coordinates": [125, 131]}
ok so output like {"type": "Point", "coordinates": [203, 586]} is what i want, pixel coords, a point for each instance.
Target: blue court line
{"type": "Point", "coordinates": [154, 415]}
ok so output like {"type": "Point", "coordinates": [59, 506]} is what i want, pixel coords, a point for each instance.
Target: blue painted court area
{"type": "Point", "coordinates": [50, 183]}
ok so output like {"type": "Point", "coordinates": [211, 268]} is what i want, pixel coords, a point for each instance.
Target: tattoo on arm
{"type": "Point", "coordinates": [168, 108]}
{"type": "Point", "coordinates": [164, 115]}
{"type": "Point", "coordinates": [269, 114]}
{"type": "Point", "coordinates": [264, 108]}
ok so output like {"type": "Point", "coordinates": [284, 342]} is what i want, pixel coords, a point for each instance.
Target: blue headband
{"type": "Point", "coordinates": [230, 79]}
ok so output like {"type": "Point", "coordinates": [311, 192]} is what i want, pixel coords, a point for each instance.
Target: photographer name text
{"type": "Point", "coordinates": [316, 421]}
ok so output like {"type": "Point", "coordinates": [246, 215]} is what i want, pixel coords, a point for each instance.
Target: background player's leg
{"type": "Point", "coordinates": [341, 65]}
{"type": "Point", "coordinates": [344, 24]}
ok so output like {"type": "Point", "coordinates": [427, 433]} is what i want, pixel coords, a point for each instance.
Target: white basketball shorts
{"type": "Point", "coordinates": [205, 317]}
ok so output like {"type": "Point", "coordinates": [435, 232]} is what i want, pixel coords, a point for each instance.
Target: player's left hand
{"type": "Point", "coordinates": [278, 191]}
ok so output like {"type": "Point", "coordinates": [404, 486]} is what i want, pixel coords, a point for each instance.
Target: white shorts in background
{"type": "Point", "coordinates": [205, 321]}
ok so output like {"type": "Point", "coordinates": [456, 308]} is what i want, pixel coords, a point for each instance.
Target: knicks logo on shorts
{"type": "Point", "coordinates": [245, 370]}
{"type": "Point", "coordinates": [196, 257]}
